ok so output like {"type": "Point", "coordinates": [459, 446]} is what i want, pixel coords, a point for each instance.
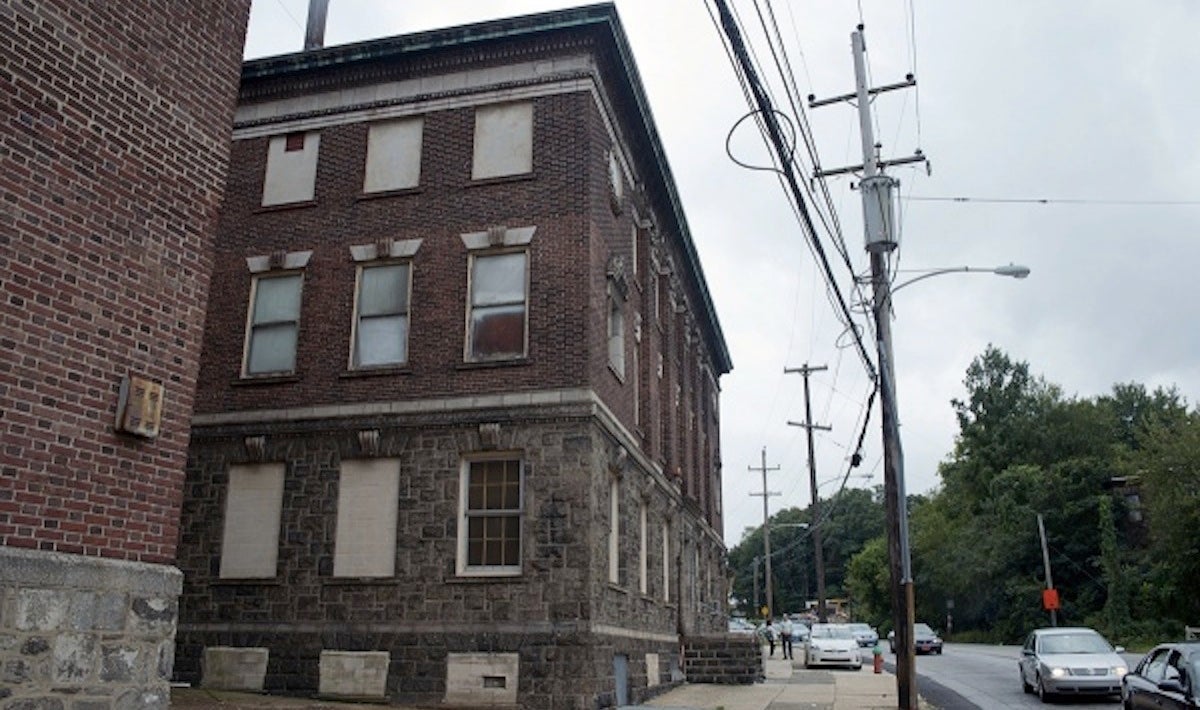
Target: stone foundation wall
{"type": "Point", "coordinates": [82, 632]}
{"type": "Point", "coordinates": [730, 659]}
{"type": "Point", "coordinates": [559, 668]}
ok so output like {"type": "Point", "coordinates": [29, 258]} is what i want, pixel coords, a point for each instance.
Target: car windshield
{"type": "Point", "coordinates": [922, 630]}
{"type": "Point", "coordinates": [1074, 643]}
{"type": "Point", "coordinates": [824, 631]}
{"type": "Point", "coordinates": [861, 627]}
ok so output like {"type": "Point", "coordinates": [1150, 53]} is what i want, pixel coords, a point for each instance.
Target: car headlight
{"type": "Point", "coordinates": [1120, 671]}
{"type": "Point", "coordinates": [1058, 672]}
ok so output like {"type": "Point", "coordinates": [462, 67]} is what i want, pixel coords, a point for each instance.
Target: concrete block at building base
{"type": "Point", "coordinates": [482, 679]}
{"type": "Point", "coordinates": [354, 675]}
{"type": "Point", "coordinates": [230, 668]}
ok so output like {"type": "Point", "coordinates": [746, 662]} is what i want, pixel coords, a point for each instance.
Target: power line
{"type": "Point", "coordinates": [1052, 201]}
{"type": "Point", "coordinates": [763, 101]}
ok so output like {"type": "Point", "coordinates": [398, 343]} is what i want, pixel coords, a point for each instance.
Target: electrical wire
{"type": "Point", "coordinates": [1055, 201]}
{"type": "Point", "coordinates": [762, 100]}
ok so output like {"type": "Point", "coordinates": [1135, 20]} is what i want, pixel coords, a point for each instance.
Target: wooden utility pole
{"type": "Point", "coordinates": [879, 223]}
{"type": "Point", "coordinates": [766, 528]}
{"type": "Point", "coordinates": [815, 528]}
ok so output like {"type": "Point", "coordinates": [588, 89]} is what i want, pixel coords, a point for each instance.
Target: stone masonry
{"type": "Point", "coordinates": [115, 121]}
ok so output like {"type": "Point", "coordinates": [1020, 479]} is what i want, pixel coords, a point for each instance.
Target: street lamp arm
{"type": "Point", "coordinates": [1014, 270]}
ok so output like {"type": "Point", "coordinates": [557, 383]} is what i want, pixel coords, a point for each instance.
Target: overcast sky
{"type": "Point", "coordinates": [1086, 104]}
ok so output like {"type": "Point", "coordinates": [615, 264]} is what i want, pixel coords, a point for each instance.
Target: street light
{"type": "Point", "coordinates": [1015, 271]}
{"type": "Point", "coordinates": [896, 497]}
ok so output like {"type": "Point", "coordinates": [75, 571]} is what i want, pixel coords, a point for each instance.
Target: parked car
{"type": "Point", "coordinates": [864, 634]}
{"type": "Point", "coordinates": [738, 625]}
{"type": "Point", "coordinates": [1070, 661]}
{"type": "Point", "coordinates": [831, 644]}
{"type": "Point", "coordinates": [925, 640]}
{"type": "Point", "coordinates": [1168, 677]}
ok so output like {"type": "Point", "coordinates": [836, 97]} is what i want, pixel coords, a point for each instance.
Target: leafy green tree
{"type": "Point", "coordinates": [868, 581]}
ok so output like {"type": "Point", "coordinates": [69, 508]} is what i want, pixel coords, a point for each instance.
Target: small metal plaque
{"type": "Point", "coordinates": [139, 408]}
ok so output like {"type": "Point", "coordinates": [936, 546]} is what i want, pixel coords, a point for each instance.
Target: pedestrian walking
{"type": "Point", "coordinates": [785, 635]}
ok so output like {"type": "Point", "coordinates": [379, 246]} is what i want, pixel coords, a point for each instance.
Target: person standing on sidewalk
{"type": "Point", "coordinates": [785, 635]}
{"type": "Point", "coordinates": [768, 633]}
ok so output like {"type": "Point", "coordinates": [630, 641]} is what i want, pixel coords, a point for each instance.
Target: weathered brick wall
{"type": "Point", "coordinates": [112, 162]}
{"type": "Point", "coordinates": [113, 152]}
{"type": "Point", "coordinates": [729, 659]}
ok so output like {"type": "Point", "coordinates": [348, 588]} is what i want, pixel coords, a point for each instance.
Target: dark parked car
{"type": "Point", "coordinates": [1070, 661]}
{"type": "Point", "coordinates": [1168, 677]}
{"type": "Point", "coordinates": [925, 640]}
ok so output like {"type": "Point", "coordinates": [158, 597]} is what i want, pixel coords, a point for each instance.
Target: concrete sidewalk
{"type": "Point", "coordinates": [789, 686]}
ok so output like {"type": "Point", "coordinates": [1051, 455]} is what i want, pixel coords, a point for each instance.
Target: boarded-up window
{"type": "Point", "coordinates": [393, 155]}
{"type": "Point", "coordinates": [253, 504]}
{"type": "Point", "coordinates": [496, 321]}
{"type": "Point", "coordinates": [490, 528]}
{"type": "Point", "coordinates": [616, 334]}
{"type": "Point", "coordinates": [503, 140]}
{"type": "Point", "coordinates": [365, 545]}
{"type": "Point", "coordinates": [291, 168]}
{"type": "Point", "coordinates": [381, 318]}
{"type": "Point", "coordinates": [273, 326]}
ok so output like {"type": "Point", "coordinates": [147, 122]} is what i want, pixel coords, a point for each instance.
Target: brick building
{"type": "Point", "coordinates": [456, 435]}
{"type": "Point", "coordinates": [113, 151]}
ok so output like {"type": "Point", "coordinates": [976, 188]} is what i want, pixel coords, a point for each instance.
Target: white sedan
{"type": "Point", "coordinates": [832, 644]}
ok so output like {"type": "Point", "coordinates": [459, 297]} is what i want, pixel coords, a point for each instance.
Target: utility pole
{"type": "Point", "coordinates": [818, 552]}
{"type": "Point", "coordinates": [766, 527]}
{"type": "Point", "coordinates": [878, 218]}
{"type": "Point", "coordinates": [757, 559]}
{"type": "Point", "coordinates": [1046, 563]}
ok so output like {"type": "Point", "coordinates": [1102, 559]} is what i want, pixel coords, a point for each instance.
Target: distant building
{"type": "Point", "coordinates": [113, 148]}
{"type": "Point", "coordinates": [457, 431]}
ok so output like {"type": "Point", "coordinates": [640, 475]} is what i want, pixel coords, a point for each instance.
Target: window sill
{"type": "Point", "coordinates": [284, 206]}
{"type": "Point", "coordinates": [501, 179]}
{"type": "Point", "coordinates": [488, 364]}
{"type": "Point", "coordinates": [616, 373]}
{"type": "Point", "coordinates": [381, 194]}
{"type": "Point", "coordinates": [487, 579]}
{"type": "Point", "coordinates": [614, 587]}
{"type": "Point", "coordinates": [248, 582]}
{"type": "Point", "coordinates": [359, 581]}
{"type": "Point", "coordinates": [254, 380]}
{"type": "Point", "coordinates": [383, 371]}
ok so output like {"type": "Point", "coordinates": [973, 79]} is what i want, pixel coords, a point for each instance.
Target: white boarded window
{"type": "Point", "coordinates": [381, 315]}
{"type": "Point", "coordinates": [503, 140]}
{"type": "Point", "coordinates": [490, 511]}
{"type": "Point", "coordinates": [393, 155]}
{"type": "Point", "coordinates": [291, 173]}
{"type": "Point", "coordinates": [496, 318]}
{"type": "Point", "coordinates": [253, 505]}
{"type": "Point", "coordinates": [365, 542]}
{"type": "Point", "coordinates": [643, 551]}
{"type": "Point", "coordinates": [614, 531]}
{"type": "Point", "coordinates": [666, 562]}
{"type": "Point", "coordinates": [616, 335]}
{"type": "Point", "coordinates": [274, 323]}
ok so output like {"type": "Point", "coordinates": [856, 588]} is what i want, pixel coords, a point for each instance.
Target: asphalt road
{"type": "Point", "coordinates": [970, 676]}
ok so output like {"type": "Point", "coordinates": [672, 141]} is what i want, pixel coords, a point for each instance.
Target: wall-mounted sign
{"type": "Point", "coordinates": [139, 408]}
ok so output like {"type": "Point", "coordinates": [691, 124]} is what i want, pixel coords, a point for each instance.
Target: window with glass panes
{"type": "Point", "coordinates": [496, 321]}
{"type": "Point", "coordinates": [381, 325]}
{"type": "Point", "coordinates": [274, 324]}
{"type": "Point", "coordinates": [492, 516]}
